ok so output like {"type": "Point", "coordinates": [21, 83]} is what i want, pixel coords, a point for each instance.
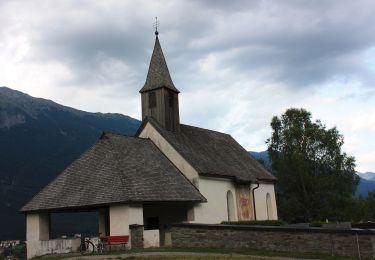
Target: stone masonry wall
{"type": "Point", "coordinates": [307, 240]}
{"type": "Point", "coordinates": [136, 236]}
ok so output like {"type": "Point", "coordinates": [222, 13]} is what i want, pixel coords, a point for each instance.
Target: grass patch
{"type": "Point", "coordinates": [194, 257]}
{"type": "Point", "coordinates": [252, 254]}
{"type": "Point", "coordinates": [317, 223]}
{"type": "Point", "coordinates": [242, 251]}
{"type": "Point", "coordinates": [57, 256]}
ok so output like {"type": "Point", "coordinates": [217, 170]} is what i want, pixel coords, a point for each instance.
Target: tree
{"type": "Point", "coordinates": [316, 180]}
{"type": "Point", "coordinates": [370, 205]}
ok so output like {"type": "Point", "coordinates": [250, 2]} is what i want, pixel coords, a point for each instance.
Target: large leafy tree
{"type": "Point", "coordinates": [370, 205]}
{"type": "Point", "coordinates": [316, 180]}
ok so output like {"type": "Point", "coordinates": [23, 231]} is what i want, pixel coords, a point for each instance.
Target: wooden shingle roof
{"type": "Point", "coordinates": [117, 169]}
{"type": "Point", "coordinates": [213, 153]}
{"type": "Point", "coordinates": [158, 74]}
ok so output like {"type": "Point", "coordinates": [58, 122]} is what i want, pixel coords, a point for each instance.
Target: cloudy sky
{"type": "Point", "coordinates": [236, 63]}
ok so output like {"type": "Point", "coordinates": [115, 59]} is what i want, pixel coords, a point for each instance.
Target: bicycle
{"type": "Point", "coordinates": [88, 247]}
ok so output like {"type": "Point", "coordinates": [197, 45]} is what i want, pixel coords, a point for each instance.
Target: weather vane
{"type": "Point", "coordinates": [156, 25]}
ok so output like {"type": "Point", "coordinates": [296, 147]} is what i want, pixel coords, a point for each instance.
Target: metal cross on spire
{"type": "Point", "coordinates": [156, 25]}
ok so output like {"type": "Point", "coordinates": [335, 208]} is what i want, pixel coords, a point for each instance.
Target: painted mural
{"type": "Point", "coordinates": [243, 202]}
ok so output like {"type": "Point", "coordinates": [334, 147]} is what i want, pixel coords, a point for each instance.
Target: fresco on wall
{"type": "Point", "coordinates": [243, 202]}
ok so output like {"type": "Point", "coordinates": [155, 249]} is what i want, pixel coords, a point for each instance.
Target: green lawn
{"type": "Point", "coordinates": [244, 251]}
{"type": "Point", "coordinates": [253, 253]}
{"type": "Point", "coordinates": [194, 258]}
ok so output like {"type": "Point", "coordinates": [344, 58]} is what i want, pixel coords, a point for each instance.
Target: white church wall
{"type": "Point", "coordinates": [37, 230]}
{"type": "Point", "coordinates": [53, 246]}
{"type": "Point", "coordinates": [262, 213]}
{"type": "Point", "coordinates": [215, 191]}
{"type": "Point", "coordinates": [123, 215]}
{"type": "Point", "coordinates": [151, 238]}
{"type": "Point", "coordinates": [150, 132]}
{"type": "Point", "coordinates": [136, 214]}
{"type": "Point", "coordinates": [118, 220]}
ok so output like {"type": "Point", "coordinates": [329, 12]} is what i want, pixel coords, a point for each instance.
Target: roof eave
{"type": "Point", "coordinates": [146, 89]}
{"type": "Point", "coordinates": [274, 180]}
{"type": "Point", "coordinates": [103, 205]}
{"type": "Point", "coordinates": [223, 176]}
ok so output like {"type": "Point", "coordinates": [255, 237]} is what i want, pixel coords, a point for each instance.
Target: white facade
{"type": "Point", "coordinates": [264, 210]}
{"type": "Point", "coordinates": [151, 238]}
{"type": "Point", "coordinates": [123, 215]}
{"type": "Point", "coordinates": [37, 230]}
{"type": "Point", "coordinates": [216, 209]}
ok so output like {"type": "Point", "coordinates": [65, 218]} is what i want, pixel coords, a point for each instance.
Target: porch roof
{"type": "Point", "coordinates": [117, 169]}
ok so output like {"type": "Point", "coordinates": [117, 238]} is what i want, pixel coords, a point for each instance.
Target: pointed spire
{"type": "Point", "coordinates": [158, 74]}
{"type": "Point", "coordinates": [156, 26]}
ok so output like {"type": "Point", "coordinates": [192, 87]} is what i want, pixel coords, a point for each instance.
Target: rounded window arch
{"type": "Point", "coordinates": [269, 207]}
{"type": "Point", "coordinates": [230, 206]}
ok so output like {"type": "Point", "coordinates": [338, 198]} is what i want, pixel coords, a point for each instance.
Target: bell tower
{"type": "Point", "coordinates": [159, 95]}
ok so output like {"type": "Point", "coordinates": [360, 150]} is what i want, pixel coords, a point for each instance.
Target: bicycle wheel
{"type": "Point", "coordinates": [90, 248]}
{"type": "Point", "coordinates": [87, 248]}
{"type": "Point", "coordinates": [100, 247]}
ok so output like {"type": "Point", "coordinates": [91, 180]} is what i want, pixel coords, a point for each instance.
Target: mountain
{"type": "Point", "coordinates": [365, 186]}
{"type": "Point", "coordinates": [366, 183]}
{"type": "Point", "coordinates": [368, 176]}
{"type": "Point", "coordinates": [262, 157]}
{"type": "Point", "coordinates": [38, 139]}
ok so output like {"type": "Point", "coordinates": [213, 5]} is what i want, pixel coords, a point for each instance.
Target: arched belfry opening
{"type": "Point", "coordinates": [159, 95]}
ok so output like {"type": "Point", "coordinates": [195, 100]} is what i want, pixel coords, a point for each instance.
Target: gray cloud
{"type": "Point", "coordinates": [249, 59]}
{"type": "Point", "coordinates": [298, 43]}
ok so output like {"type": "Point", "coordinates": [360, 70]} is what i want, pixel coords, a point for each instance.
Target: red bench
{"type": "Point", "coordinates": [114, 240]}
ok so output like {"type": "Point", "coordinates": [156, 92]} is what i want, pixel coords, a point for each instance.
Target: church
{"type": "Point", "coordinates": [167, 173]}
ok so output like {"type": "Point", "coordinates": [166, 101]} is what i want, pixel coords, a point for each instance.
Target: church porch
{"type": "Point", "coordinates": [113, 220]}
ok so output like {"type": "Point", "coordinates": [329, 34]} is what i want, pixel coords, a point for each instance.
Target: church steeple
{"type": "Point", "coordinates": [159, 95]}
{"type": "Point", "coordinates": [158, 74]}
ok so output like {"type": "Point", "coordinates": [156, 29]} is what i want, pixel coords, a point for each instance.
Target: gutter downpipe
{"type": "Point", "coordinates": [255, 212]}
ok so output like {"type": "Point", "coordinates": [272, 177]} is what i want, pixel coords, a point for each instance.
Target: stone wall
{"type": "Point", "coordinates": [136, 236]}
{"type": "Point", "coordinates": [350, 242]}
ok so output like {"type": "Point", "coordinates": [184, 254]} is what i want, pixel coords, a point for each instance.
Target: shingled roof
{"type": "Point", "coordinates": [117, 169]}
{"type": "Point", "coordinates": [213, 153]}
{"type": "Point", "coordinates": [158, 74]}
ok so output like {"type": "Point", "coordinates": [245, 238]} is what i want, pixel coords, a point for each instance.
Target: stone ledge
{"type": "Point", "coordinates": [133, 226]}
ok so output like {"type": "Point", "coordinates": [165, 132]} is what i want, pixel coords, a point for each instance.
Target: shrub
{"type": "Point", "coordinates": [317, 223]}
{"type": "Point", "coordinates": [19, 251]}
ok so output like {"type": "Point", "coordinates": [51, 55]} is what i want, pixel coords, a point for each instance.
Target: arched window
{"type": "Point", "coordinates": [269, 206]}
{"type": "Point", "coordinates": [230, 206]}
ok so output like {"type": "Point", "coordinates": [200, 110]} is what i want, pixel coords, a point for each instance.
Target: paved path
{"type": "Point", "coordinates": [161, 254]}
